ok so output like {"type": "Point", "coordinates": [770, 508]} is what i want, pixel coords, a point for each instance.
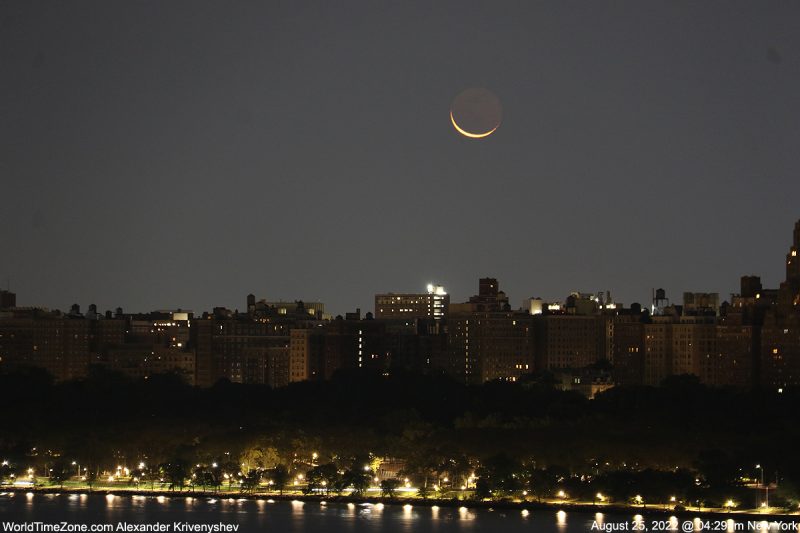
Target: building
{"type": "Point", "coordinates": [486, 340]}
{"type": "Point", "coordinates": [779, 361]}
{"type": "Point", "coordinates": [569, 340]}
{"type": "Point", "coordinates": [306, 354]}
{"type": "Point", "coordinates": [64, 345]}
{"type": "Point", "coordinates": [628, 346]}
{"type": "Point", "coordinates": [355, 343]}
{"type": "Point", "coordinates": [431, 304]}
{"type": "Point", "coordinates": [7, 299]}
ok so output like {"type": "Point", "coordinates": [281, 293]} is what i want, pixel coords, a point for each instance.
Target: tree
{"type": "Point", "coordinates": [323, 477]}
{"type": "Point", "coordinates": [482, 489]}
{"type": "Point", "coordinates": [541, 483]}
{"type": "Point", "coordinates": [251, 480]}
{"type": "Point", "coordinates": [499, 475]}
{"type": "Point", "coordinates": [389, 486]}
{"type": "Point", "coordinates": [91, 479]}
{"type": "Point", "coordinates": [280, 477]}
{"type": "Point", "coordinates": [262, 457]}
{"type": "Point", "coordinates": [60, 473]}
{"type": "Point", "coordinates": [175, 472]}
{"type": "Point", "coordinates": [358, 479]}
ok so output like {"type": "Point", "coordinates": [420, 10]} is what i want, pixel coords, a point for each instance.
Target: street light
{"type": "Point", "coordinates": [766, 488]}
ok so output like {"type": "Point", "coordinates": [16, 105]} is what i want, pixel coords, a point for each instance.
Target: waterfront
{"type": "Point", "coordinates": [176, 514]}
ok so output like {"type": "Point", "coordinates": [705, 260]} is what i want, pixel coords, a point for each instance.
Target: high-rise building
{"type": "Point", "coordinates": [306, 354]}
{"type": "Point", "coordinates": [569, 341]}
{"type": "Point", "coordinates": [779, 361]}
{"type": "Point", "coordinates": [355, 343]}
{"type": "Point", "coordinates": [7, 299]}
{"type": "Point", "coordinates": [486, 340]}
{"type": "Point", "coordinates": [431, 304]}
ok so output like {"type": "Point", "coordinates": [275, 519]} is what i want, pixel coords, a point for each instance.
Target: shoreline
{"type": "Point", "coordinates": [416, 501]}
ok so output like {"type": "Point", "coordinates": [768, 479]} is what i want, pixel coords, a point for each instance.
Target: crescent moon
{"type": "Point", "coordinates": [468, 134]}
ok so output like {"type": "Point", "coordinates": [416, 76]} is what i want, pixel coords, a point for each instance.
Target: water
{"type": "Point", "coordinates": [259, 515]}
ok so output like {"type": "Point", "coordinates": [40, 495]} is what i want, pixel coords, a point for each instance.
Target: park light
{"type": "Point", "coordinates": [30, 470]}
{"type": "Point", "coordinates": [366, 468]}
{"type": "Point", "coordinates": [638, 498]}
{"type": "Point", "coordinates": [730, 504]}
{"type": "Point", "coordinates": [324, 483]}
{"type": "Point", "coordinates": [314, 455]}
{"type": "Point", "coordinates": [299, 476]}
{"type": "Point", "coordinates": [375, 479]}
{"type": "Point", "coordinates": [672, 498]}
{"type": "Point", "coordinates": [74, 463]}
{"type": "Point", "coordinates": [141, 465]}
{"type": "Point", "coordinates": [111, 478]}
{"type": "Point", "coordinates": [524, 492]}
{"type": "Point", "coordinates": [561, 494]}
{"type": "Point", "coordinates": [213, 465]}
{"type": "Point", "coordinates": [445, 480]}
{"type": "Point", "coordinates": [600, 496]}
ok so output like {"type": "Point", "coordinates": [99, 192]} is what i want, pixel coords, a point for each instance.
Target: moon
{"type": "Point", "coordinates": [476, 113]}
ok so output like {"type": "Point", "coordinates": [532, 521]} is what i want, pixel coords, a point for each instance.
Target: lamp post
{"type": "Point", "coordinates": [766, 487]}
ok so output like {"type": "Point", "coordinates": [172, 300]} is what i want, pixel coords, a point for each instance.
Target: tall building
{"type": "Point", "coordinates": [789, 291]}
{"type": "Point", "coordinates": [64, 345]}
{"type": "Point", "coordinates": [355, 343]}
{"type": "Point", "coordinates": [486, 340]}
{"type": "Point", "coordinates": [779, 362]}
{"type": "Point", "coordinates": [431, 304]}
{"type": "Point", "coordinates": [569, 341]}
{"type": "Point", "coordinates": [628, 346]}
{"type": "Point", "coordinates": [306, 354]}
{"type": "Point", "coordinates": [7, 299]}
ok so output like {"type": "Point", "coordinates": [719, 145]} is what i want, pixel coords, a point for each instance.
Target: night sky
{"type": "Point", "coordinates": [183, 154]}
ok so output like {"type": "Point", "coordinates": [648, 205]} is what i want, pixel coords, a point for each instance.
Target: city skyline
{"type": "Point", "coordinates": [388, 266]}
{"type": "Point", "coordinates": [186, 154]}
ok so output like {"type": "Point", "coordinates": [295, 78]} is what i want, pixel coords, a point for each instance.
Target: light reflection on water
{"type": "Point", "coordinates": [561, 520]}
{"type": "Point", "coordinates": [259, 515]}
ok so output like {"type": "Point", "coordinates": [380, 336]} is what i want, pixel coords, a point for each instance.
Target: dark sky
{"type": "Point", "coordinates": [182, 154]}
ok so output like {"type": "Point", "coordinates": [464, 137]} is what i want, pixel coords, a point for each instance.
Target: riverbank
{"type": "Point", "coordinates": [528, 505]}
